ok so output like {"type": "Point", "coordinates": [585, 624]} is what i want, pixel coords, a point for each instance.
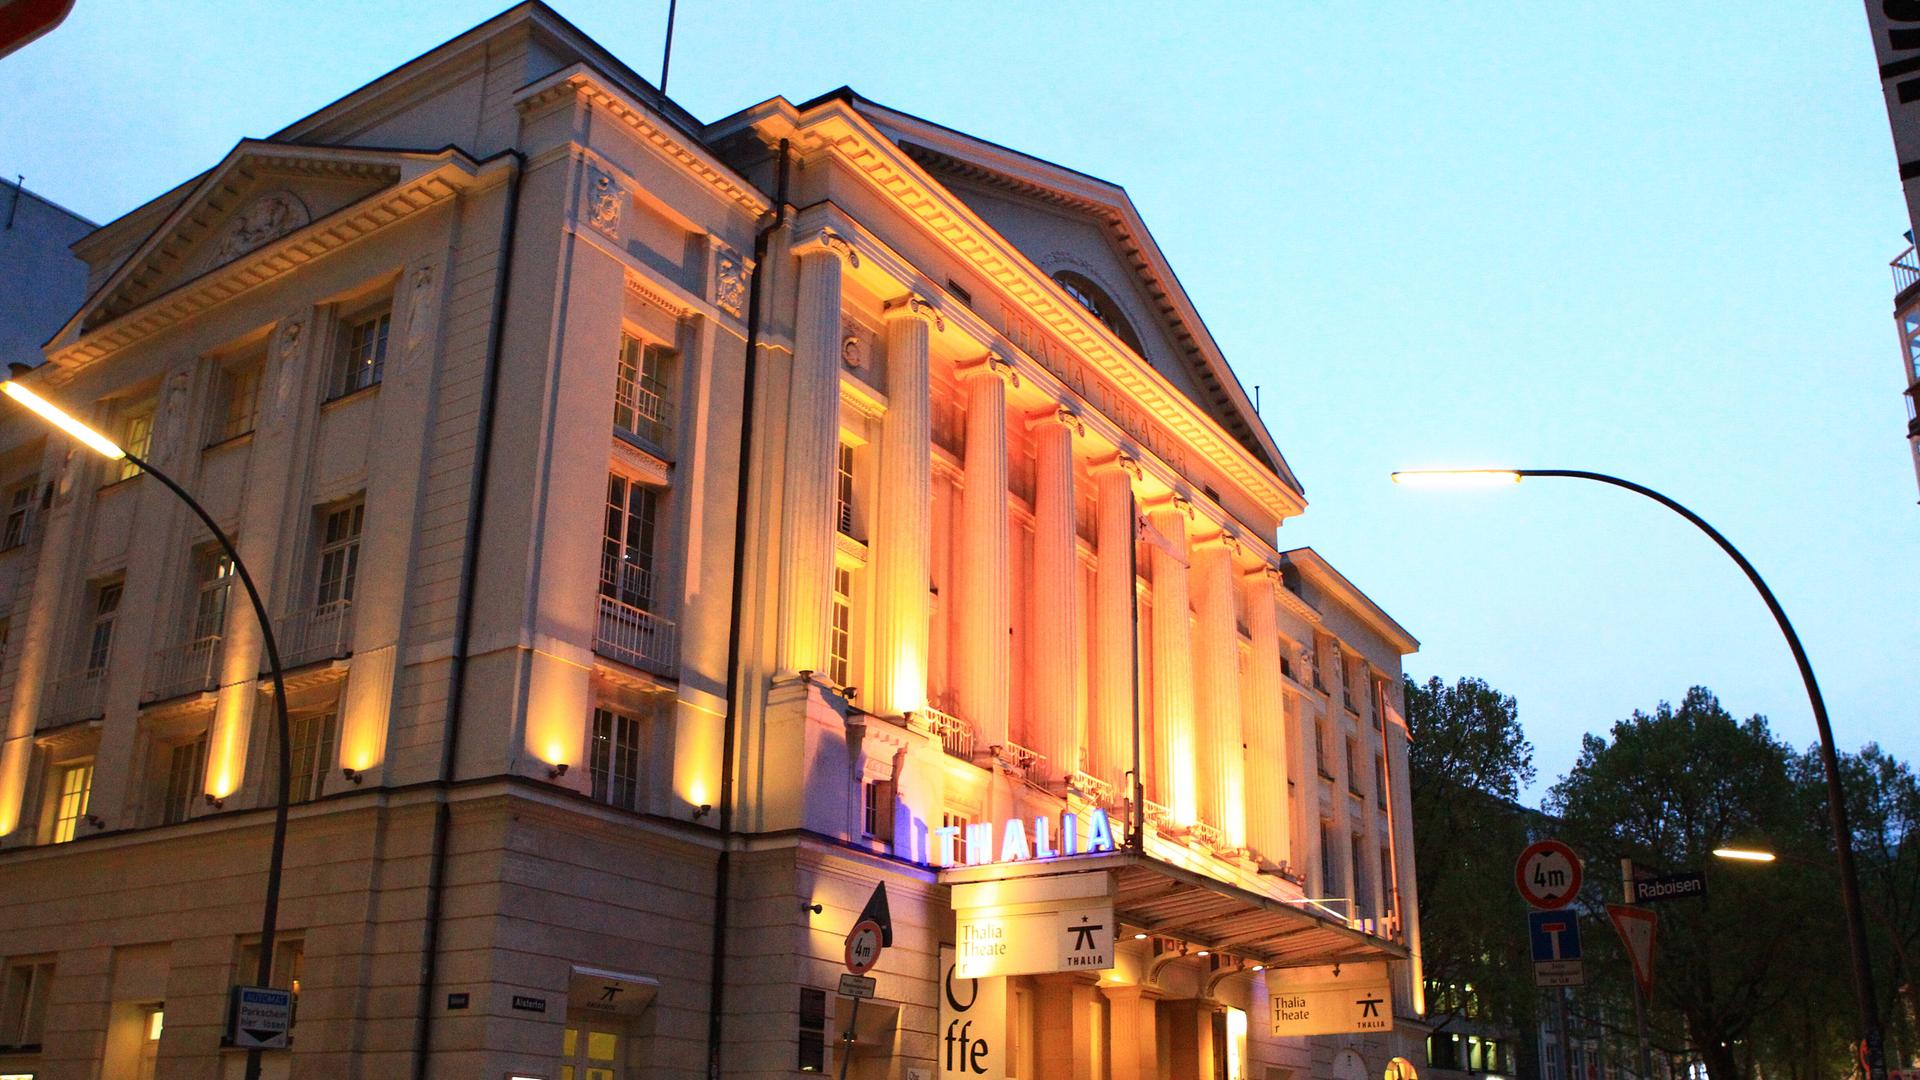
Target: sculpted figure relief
{"type": "Point", "coordinates": [271, 215]}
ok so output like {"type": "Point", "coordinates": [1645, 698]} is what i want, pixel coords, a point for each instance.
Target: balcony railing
{"type": "Point", "coordinates": [636, 638]}
{"type": "Point", "coordinates": [1096, 790]}
{"type": "Point", "coordinates": [955, 734]}
{"type": "Point", "coordinates": [1027, 761]}
{"type": "Point", "coordinates": [315, 634]}
{"type": "Point", "coordinates": [643, 412]}
{"type": "Point", "coordinates": [190, 667]}
{"type": "Point", "coordinates": [1906, 270]}
{"type": "Point", "coordinates": [80, 695]}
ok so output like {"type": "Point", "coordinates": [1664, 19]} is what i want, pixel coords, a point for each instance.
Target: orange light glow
{"type": "Point", "coordinates": [1743, 854]}
{"type": "Point", "coordinates": [58, 417]}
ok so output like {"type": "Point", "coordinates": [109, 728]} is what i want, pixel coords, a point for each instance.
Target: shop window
{"type": "Point", "coordinates": [614, 757]}
{"type": "Point", "coordinates": [360, 355]}
{"type": "Point", "coordinates": [19, 523]}
{"type": "Point", "coordinates": [23, 1002]}
{"type": "Point", "coordinates": [640, 391]}
{"type": "Point", "coordinates": [72, 790]}
{"type": "Point", "coordinates": [627, 542]}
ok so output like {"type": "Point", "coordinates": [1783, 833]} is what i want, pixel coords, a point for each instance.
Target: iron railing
{"type": "Point", "coordinates": [1098, 791]}
{"type": "Point", "coordinates": [955, 734]}
{"type": "Point", "coordinates": [318, 633]}
{"type": "Point", "coordinates": [190, 667]}
{"type": "Point", "coordinates": [636, 638]}
{"type": "Point", "coordinates": [1027, 761]}
{"type": "Point", "coordinates": [642, 410]}
{"type": "Point", "coordinates": [79, 695]}
{"type": "Point", "coordinates": [1906, 270]}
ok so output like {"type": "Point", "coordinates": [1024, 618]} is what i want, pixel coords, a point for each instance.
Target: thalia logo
{"type": "Point", "coordinates": [1050, 838]}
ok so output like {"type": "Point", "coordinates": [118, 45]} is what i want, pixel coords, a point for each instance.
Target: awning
{"type": "Point", "coordinates": [1155, 897]}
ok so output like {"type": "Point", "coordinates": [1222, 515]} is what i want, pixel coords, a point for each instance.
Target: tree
{"type": "Point", "coordinates": [1665, 791]}
{"type": "Point", "coordinates": [1468, 760]}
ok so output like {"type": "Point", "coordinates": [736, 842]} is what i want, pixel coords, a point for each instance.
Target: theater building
{"type": "Point", "coordinates": [671, 531]}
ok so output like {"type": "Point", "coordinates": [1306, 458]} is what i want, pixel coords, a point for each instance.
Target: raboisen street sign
{"type": "Point", "coordinates": [1669, 887]}
{"type": "Point", "coordinates": [1548, 874]}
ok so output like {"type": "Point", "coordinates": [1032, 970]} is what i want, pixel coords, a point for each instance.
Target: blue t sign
{"type": "Point", "coordinates": [1555, 934]}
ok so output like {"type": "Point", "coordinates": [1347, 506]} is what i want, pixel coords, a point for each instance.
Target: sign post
{"type": "Point", "coordinates": [872, 932]}
{"type": "Point", "coordinates": [259, 1017]}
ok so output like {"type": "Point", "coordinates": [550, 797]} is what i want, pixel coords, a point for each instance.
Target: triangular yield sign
{"type": "Point", "coordinates": [1636, 927]}
{"type": "Point", "coordinates": [876, 912]}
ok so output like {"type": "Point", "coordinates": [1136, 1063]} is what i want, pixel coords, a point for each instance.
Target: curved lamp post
{"type": "Point", "coordinates": [107, 448]}
{"type": "Point", "coordinates": [1872, 1051]}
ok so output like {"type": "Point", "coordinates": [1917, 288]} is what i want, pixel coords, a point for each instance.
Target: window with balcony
{"type": "Point", "coordinates": [186, 779]}
{"type": "Point", "coordinates": [72, 786]}
{"type": "Point", "coordinates": [213, 583]}
{"type": "Point", "coordinates": [614, 757]}
{"type": "Point", "coordinates": [360, 352]}
{"type": "Point", "coordinates": [640, 391]}
{"type": "Point", "coordinates": [843, 490]}
{"type": "Point", "coordinates": [19, 524]}
{"type": "Point", "coordinates": [310, 743]}
{"type": "Point", "coordinates": [840, 640]}
{"type": "Point", "coordinates": [136, 438]}
{"type": "Point", "coordinates": [23, 1006]}
{"type": "Point", "coordinates": [104, 608]}
{"type": "Point", "coordinates": [236, 393]}
{"type": "Point", "coordinates": [627, 542]}
{"type": "Point", "coordinates": [339, 555]}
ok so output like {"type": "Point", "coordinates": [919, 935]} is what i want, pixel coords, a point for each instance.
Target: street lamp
{"type": "Point", "coordinates": [107, 448]}
{"type": "Point", "coordinates": [1743, 854]}
{"type": "Point", "coordinates": [1872, 1050]}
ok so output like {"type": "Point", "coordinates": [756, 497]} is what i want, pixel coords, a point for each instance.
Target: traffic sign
{"type": "Point", "coordinates": [857, 986]}
{"type": "Point", "coordinates": [876, 912]}
{"type": "Point", "coordinates": [863, 946]}
{"type": "Point", "coordinates": [1652, 890]}
{"type": "Point", "coordinates": [259, 1017]}
{"type": "Point", "coordinates": [1555, 936]}
{"type": "Point", "coordinates": [1548, 874]}
{"type": "Point", "coordinates": [1636, 927]}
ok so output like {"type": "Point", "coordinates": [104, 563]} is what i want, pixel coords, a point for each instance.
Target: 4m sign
{"type": "Point", "coordinates": [1548, 874]}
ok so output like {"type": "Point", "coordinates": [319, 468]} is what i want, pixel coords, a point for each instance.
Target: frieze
{"type": "Point", "coordinates": [267, 217]}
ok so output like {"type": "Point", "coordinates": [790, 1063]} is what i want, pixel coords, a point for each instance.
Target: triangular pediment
{"type": "Point", "coordinates": [1086, 234]}
{"type": "Point", "coordinates": [261, 192]}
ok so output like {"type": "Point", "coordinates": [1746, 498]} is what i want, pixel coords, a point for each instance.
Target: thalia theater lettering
{"type": "Point", "coordinates": [1048, 838]}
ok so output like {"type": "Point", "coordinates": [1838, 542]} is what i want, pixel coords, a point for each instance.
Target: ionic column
{"type": "Point", "coordinates": [986, 618]}
{"type": "Point", "coordinates": [1264, 722]}
{"type": "Point", "coordinates": [902, 550]}
{"type": "Point", "coordinates": [1113, 631]}
{"type": "Point", "coordinates": [1055, 660]}
{"type": "Point", "coordinates": [813, 439]}
{"type": "Point", "coordinates": [1173, 736]}
{"type": "Point", "coordinates": [1216, 642]}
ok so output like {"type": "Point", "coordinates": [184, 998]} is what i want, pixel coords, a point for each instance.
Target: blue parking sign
{"type": "Point", "coordinates": [1555, 934]}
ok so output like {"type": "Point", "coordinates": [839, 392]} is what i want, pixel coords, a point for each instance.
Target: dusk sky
{"type": "Point", "coordinates": [1651, 240]}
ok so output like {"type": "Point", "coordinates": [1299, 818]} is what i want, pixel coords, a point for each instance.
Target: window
{"type": "Point", "coordinates": [1353, 766]}
{"type": "Point", "coordinates": [1378, 701]}
{"type": "Point", "coordinates": [186, 779]}
{"type": "Point", "coordinates": [640, 390]}
{"type": "Point", "coordinates": [949, 820]}
{"type": "Point", "coordinates": [1101, 306]}
{"type": "Point", "coordinates": [136, 437]}
{"type": "Point", "coordinates": [213, 576]}
{"type": "Point", "coordinates": [843, 490]}
{"type": "Point", "coordinates": [1387, 878]}
{"type": "Point", "coordinates": [875, 809]}
{"type": "Point", "coordinates": [1362, 896]}
{"type": "Point", "coordinates": [1343, 665]}
{"type": "Point", "coordinates": [1329, 868]}
{"type": "Point", "coordinates": [626, 554]}
{"type": "Point", "coordinates": [236, 394]}
{"type": "Point", "coordinates": [1380, 781]}
{"type": "Point", "coordinates": [589, 1053]}
{"type": "Point", "coordinates": [339, 554]}
{"type": "Point", "coordinates": [840, 644]}
{"type": "Point", "coordinates": [361, 355]}
{"type": "Point", "coordinates": [99, 640]}
{"type": "Point", "coordinates": [19, 526]}
{"type": "Point", "coordinates": [614, 759]}
{"type": "Point", "coordinates": [72, 786]}
{"type": "Point", "coordinates": [23, 1010]}
{"type": "Point", "coordinates": [310, 754]}
{"type": "Point", "coordinates": [1322, 735]}
{"type": "Point", "coordinates": [289, 964]}
{"type": "Point", "coordinates": [1319, 679]}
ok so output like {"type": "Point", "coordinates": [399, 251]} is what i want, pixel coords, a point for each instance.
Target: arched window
{"type": "Point", "coordinates": [1099, 305]}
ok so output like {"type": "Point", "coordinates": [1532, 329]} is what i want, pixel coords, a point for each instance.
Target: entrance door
{"type": "Point", "coordinates": [593, 1051]}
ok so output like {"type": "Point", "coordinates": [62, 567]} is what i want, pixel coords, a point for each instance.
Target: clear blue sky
{"type": "Point", "coordinates": [1650, 240]}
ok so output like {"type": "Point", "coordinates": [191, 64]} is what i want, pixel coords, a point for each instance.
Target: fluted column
{"type": "Point", "coordinates": [1173, 736]}
{"type": "Point", "coordinates": [1216, 642]}
{"type": "Point", "coordinates": [986, 618]}
{"type": "Point", "coordinates": [1053, 597]}
{"type": "Point", "coordinates": [1265, 724]}
{"type": "Point", "coordinates": [813, 438]}
{"type": "Point", "coordinates": [902, 548]}
{"type": "Point", "coordinates": [1113, 631]}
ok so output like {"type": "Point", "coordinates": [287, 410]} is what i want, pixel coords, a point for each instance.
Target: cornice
{"type": "Point", "coordinates": [582, 83]}
{"type": "Point", "coordinates": [887, 168]}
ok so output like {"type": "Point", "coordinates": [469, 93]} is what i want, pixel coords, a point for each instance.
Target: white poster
{"type": "Point", "coordinates": [1330, 999]}
{"type": "Point", "coordinates": [973, 1024]}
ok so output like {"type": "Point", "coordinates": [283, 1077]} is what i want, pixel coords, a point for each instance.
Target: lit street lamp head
{"type": "Point", "coordinates": [58, 417]}
{"type": "Point", "coordinates": [1743, 854]}
{"type": "Point", "coordinates": [1456, 477]}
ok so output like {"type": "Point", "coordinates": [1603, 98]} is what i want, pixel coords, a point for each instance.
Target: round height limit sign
{"type": "Point", "coordinates": [1548, 874]}
{"type": "Point", "coordinates": [863, 947]}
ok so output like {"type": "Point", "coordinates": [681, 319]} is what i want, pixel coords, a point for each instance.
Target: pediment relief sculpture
{"type": "Point", "coordinates": [268, 217]}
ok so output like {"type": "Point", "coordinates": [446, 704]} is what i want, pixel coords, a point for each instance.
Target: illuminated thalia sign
{"type": "Point", "coordinates": [1048, 838]}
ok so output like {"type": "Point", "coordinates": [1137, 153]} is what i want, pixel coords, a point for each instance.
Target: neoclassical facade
{"type": "Point", "coordinates": [671, 532]}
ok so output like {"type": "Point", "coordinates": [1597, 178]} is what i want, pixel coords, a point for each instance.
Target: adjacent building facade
{"type": "Point", "coordinates": [671, 531]}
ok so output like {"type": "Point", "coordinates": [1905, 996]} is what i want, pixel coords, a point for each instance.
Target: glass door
{"type": "Point", "coordinates": [590, 1053]}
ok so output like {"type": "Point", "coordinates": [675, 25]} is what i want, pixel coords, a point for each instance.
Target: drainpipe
{"type": "Point", "coordinates": [1133, 582]}
{"type": "Point", "coordinates": [722, 885]}
{"type": "Point", "coordinates": [463, 635]}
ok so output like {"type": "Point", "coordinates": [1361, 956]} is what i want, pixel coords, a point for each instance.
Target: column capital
{"type": "Point", "coordinates": [828, 241]}
{"type": "Point", "coordinates": [1058, 414]}
{"type": "Point", "coordinates": [1175, 503]}
{"type": "Point", "coordinates": [914, 306]}
{"type": "Point", "coordinates": [1122, 461]}
{"type": "Point", "coordinates": [1224, 538]}
{"type": "Point", "coordinates": [991, 364]}
{"type": "Point", "coordinates": [1267, 571]}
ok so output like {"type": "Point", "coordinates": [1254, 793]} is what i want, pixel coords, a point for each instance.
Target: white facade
{"type": "Point", "coordinates": [659, 518]}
